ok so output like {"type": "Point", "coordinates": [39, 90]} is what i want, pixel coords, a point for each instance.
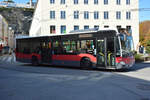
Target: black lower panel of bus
{"type": "Point", "coordinates": [106, 63]}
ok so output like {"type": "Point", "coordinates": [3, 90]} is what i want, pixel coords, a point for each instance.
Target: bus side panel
{"type": "Point", "coordinates": [66, 60]}
{"type": "Point", "coordinates": [71, 60]}
{"type": "Point", "coordinates": [66, 63]}
{"type": "Point", "coordinates": [92, 58]}
{"type": "Point", "coordinates": [37, 55]}
{"type": "Point", "coordinates": [129, 60]}
{"type": "Point", "coordinates": [26, 58]}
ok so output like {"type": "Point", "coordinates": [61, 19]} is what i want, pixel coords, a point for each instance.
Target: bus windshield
{"type": "Point", "coordinates": [126, 42]}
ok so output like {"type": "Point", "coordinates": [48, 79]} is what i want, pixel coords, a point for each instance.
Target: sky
{"type": "Point", "coordinates": [143, 15]}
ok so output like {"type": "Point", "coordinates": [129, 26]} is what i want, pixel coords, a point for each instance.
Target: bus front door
{"type": "Point", "coordinates": [106, 52]}
{"type": "Point", "coordinates": [101, 53]}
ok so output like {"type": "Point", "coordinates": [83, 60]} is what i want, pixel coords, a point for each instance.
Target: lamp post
{"type": "Point", "coordinates": [11, 37]}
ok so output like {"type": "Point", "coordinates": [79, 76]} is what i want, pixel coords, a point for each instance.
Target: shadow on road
{"type": "Point", "coordinates": [62, 82]}
{"type": "Point", "coordinates": [77, 68]}
{"type": "Point", "coordinates": [135, 67]}
{"type": "Point", "coordinates": [139, 66]}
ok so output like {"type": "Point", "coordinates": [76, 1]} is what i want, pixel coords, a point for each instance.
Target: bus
{"type": "Point", "coordinates": [106, 49]}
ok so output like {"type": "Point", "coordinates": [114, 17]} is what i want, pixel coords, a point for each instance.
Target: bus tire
{"type": "Point", "coordinates": [85, 63]}
{"type": "Point", "coordinates": [34, 61]}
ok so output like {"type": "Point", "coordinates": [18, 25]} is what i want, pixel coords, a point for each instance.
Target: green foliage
{"type": "Point", "coordinates": [5, 9]}
{"type": "Point", "coordinates": [29, 9]}
{"type": "Point", "coordinates": [144, 29]}
{"type": "Point", "coordinates": [10, 1]}
{"type": "Point", "coordinates": [138, 58]}
{"type": "Point", "coordinates": [148, 46]}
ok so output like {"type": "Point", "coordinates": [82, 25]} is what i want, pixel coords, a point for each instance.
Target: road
{"type": "Point", "coordinates": [26, 82]}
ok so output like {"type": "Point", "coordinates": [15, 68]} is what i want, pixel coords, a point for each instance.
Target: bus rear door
{"type": "Point", "coordinates": [101, 53]}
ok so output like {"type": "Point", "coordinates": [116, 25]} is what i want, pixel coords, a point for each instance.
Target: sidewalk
{"type": "Point", "coordinates": [147, 61]}
{"type": "Point", "coordinates": [8, 58]}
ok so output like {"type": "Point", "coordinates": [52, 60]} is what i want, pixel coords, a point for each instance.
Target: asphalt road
{"type": "Point", "coordinates": [26, 82]}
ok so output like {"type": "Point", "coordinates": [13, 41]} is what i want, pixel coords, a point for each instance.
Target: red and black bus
{"type": "Point", "coordinates": [106, 49]}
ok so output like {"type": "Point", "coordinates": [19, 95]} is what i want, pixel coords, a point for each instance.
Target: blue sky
{"type": "Point", "coordinates": [144, 15]}
{"type": "Point", "coordinates": [20, 1]}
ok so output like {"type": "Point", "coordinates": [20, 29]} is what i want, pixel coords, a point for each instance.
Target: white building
{"type": "Point", "coordinates": [3, 31]}
{"type": "Point", "coordinates": [6, 33]}
{"type": "Point", "coordinates": [62, 16]}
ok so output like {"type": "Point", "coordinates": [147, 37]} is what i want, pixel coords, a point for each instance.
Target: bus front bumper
{"type": "Point", "coordinates": [123, 65]}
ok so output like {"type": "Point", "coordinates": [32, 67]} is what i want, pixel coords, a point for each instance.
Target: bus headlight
{"type": "Point", "coordinates": [120, 65]}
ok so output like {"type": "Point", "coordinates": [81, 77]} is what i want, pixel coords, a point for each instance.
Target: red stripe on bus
{"type": "Point", "coordinates": [59, 57]}
{"type": "Point", "coordinates": [37, 55]}
{"type": "Point", "coordinates": [127, 60]}
{"type": "Point", "coordinates": [74, 57]}
{"type": "Point", "coordinates": [27, 56]}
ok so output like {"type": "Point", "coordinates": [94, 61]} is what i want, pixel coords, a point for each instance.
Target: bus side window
{"type": "Point", "coordinates": [87, 46]}
{"type": "Point", "coordinates": [57, 48]}
{"type": "Point", "coordinates": [69, 47]}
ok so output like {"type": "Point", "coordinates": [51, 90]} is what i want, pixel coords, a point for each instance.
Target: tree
{"type": "Point", "coordinates": [144, 29]}
{"type": "Point", "coordinates": [148, 47]}
{"type": "Point", "coordinates": [9, 1]}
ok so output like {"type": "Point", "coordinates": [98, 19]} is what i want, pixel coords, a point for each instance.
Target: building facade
{"type": "Point", "coordinates": [6, 33]}
{"type": "Point", "coordinates": [3, 31]}
{"type": "Point", "coordinates": [62, 16]}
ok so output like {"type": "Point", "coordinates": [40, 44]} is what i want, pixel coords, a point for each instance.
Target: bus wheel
{"type": "Point", "coordinates": [85, 63]}
{"type": "Point", "coordinates": [34, 61]}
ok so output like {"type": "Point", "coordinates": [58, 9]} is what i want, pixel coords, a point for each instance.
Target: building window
{"type": "Point", "coordinates": [96, 15]}
{"type": "Point", "coordinates": [63, 15]}
{"type": "Point", "coordinates": [106, 15]}
{"type": "Point", "coordinates": [118, 27]}
{"type": "Point", "coordinates": [129, 29]}
{"type": "Point", "coordinates": [76, 27]}
{"type": "Point", "coordinates": [63, 29]}
{"type": "Point", "coordinates": [128, 15]}
{"type": "Point", "coordinates": [75, 1]}
{"type": "Point", "coordinates": [52, 29]}
{"type": "Point", "coordinates": [76, 14]}
{"type": "Point", "coordinates": [128, 2]}
{"type": "Point", "coordinates": [86, 27]}
{"type": "Point", "coordinates": [62, 1]}
{"type": "Point", "coordinates": [118, 2]}
{"type": "Point", "coordinates": [52, 1]}
{"type": "Point", "coordinates": [85, 1]}
{"type": "Point", "coordinates": [106, 26]}
{"type": "Point", "coordinates": [52, 14]}
{"type": "Point", "coordinates": [86, 15]}
{"type": "Point", "coordinates": [105, 2]}
{"type": "Point", "coordinates": [118, 15]}
{"type": "Point", "coordinates": [96, 27]}
{"type": "Point", "coordinates": [95, 1]}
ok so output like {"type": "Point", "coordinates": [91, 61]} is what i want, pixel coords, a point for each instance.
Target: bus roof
{"type": "Point", "coordinates": [73, 33]}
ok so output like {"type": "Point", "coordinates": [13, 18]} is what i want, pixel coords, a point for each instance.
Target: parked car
{"type": "Point", "coordinates": [6, 50]}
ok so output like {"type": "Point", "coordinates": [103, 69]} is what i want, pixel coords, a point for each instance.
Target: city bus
{"type": "Point", "coordinates": [106, 49]}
